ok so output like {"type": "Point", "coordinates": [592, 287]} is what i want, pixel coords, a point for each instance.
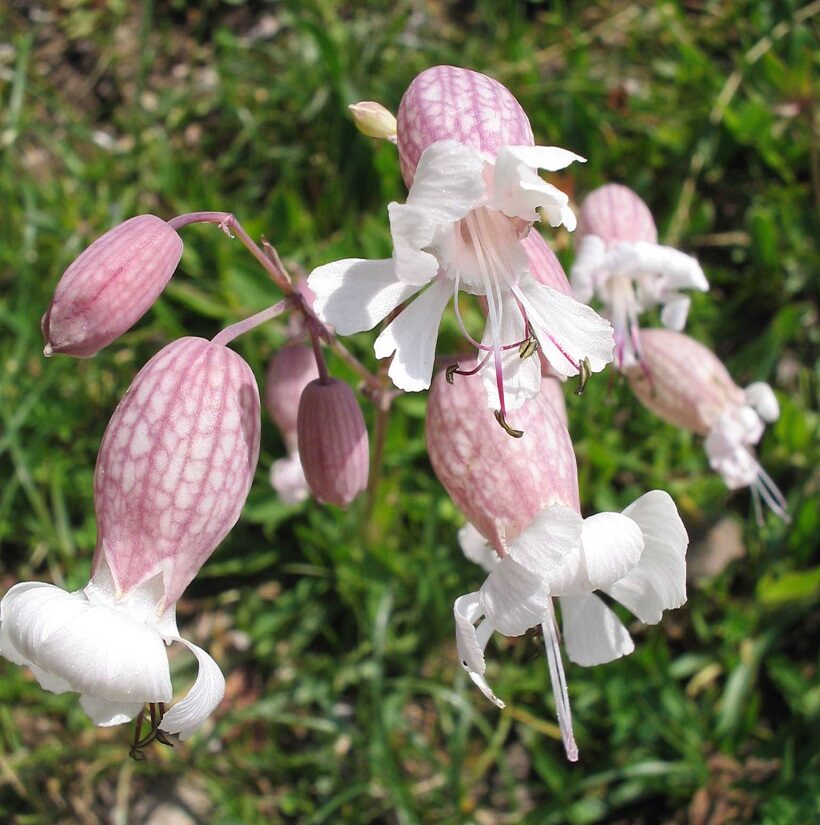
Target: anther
{"type": "Point", "coordinates": [450, 372]}
{"type": "Point", "coordinates": [499, 417]}
{"type": "Point", "coordinates": [584, 371]}
{"type": "Point", "coordinates": [528, 348]}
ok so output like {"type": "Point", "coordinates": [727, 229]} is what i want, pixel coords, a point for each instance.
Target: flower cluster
{"type": "Point", "coordinates": [180, 452]}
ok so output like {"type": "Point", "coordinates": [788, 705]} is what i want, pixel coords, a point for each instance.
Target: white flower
{"type": "Point", "coordinates": [109, 650]}
{"type": "Point", "coordinates": [461, 229]}
{"type": "Point", "coordinates": [729, 442]}
{"type": "Point", "coordinates": [630, 278]}
{"type": "Point", "coordinates": [636, 557]}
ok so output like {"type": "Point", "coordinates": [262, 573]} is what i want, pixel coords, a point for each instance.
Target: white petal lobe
{"type": "Point", "coordinates": [353, 295]}
{"type": "Point", "coordinates": [612, 546]}
{"type": "Point", "coordinates": [187, 716]}
{"type": "Point", "coordinates": [593, 634]}
{"type": "Point", "coordinates": [412, 337]}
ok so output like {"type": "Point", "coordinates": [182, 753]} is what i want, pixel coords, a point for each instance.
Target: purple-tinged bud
{"type": "Point", "coordinates": [290, 370]}
{"type": "Point", "coordinates": [111, 286]}
{"type": "Point", "coordinates": [498, 482]}
{"type": "Point", "coordinates": [683, 382]}
{"type": "Point", "coordinates": [615, 213]}
{"type": "Point", "coordinates": [175, 465]}
{"type": "Point", "coordinates": [544, 265]}
{"type": "Point", "coordinates": [450, 103]}
{"type": "Point", "coordinates": [333, 443]}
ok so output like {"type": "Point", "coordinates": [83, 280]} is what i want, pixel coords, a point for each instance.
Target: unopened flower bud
{"type": "Point", "coordinates": [373, 120]}
{"type": "Point", "coordinates": [333, 443]}
{"type": "Point", "coordinates": [111, 286]}
{"type": "Point", "coordinates": [175, 465]}
{"type": "Point", "coordinates": [290, 370]}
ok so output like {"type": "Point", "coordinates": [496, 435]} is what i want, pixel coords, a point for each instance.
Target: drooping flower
{"type": "Point", "coordinates": [110, 286]}
{"type": "Point", "coordinates": [290, 370]}
{"type": "Point", "coordinates": [620, 263]}
{"type": "Point", "coordinates": [521, 496]}
{"type": "Point", "coordinates": [174, 469]}
{"type": "Point", "coordinates": [467, 154]}
{"type": "Point", "coordinates": [333, 443]}
{"type": "Point", "coordinates": [687, 385]}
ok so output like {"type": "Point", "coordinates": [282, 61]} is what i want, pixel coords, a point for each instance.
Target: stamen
{"type": "Point", "coordinates": [499, 417]}
{"type": "Point", "coordinates": [559, 684]}
{"type": "Point", "coordinates": [157, 711]}
{"type": "Point", "coordinates": [528, 348]}
{"type": "Point", "coordinates": [454, 369]}
{"type": "Point", "coordinates": [584, 372]}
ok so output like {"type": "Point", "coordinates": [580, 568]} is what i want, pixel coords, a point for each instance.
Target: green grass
{"type": "Point", "coordinates": [345, 700]}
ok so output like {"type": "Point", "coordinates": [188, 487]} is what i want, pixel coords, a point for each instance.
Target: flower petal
{"type": "Point", "coordinates": [106, 714]}
{"type": "Point", "coordinates": [354, 295]}
{"type": "Point", "coordinates": [476, 548]}
{"type": "Point", "coordinates": [187, 716]}
{"type": "Point", "coordinates": [449, 182]}
{"type": "Point", "coordinates": [612, 546]}
{"type": "Point", "coordinates": [593, 634]}
{"type": "Point", "coordinates": [658, 581]}
{"type": "Point", "coordinates": [675, 311]}
{"type": "Point", "coordinates": [762, 399]}
{"type": "Point", "coordinates": [97, 649]}
{"type": "Point", "coordinates": [522, 376]}
{"type": "Point", "coordinates": [471, 641]}
{"type": "Point", "coordinates": [588, 263]}
{"type": "Point", "coordinates": [550, 547]}
{"type": "Point", "coordinates": [549, 158]}
{"type": "Point", "coordinates": [567, 330]}
{"type": "Point", "coordinates": [679, 270]}
{"type": "Point", "coordinates": [412, 336]}
{"type": "Point", "coordinates": [514, 599]}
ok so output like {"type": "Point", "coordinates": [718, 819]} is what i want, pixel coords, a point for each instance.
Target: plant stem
{"type": "Point", "coordinates": [241, 327]}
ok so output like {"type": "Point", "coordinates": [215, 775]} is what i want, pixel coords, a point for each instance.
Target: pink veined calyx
{"type": "Point", "coordinates": [173, 472]}
{"type": "Point", "coordinates": [468, 156]}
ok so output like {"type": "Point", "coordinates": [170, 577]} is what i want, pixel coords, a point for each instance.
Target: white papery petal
{"type": "Point", "coordinates": [97, 649]}
{"type": "Point", "coordinates": [549, 158]}
{"type": "Point", "coordinates": [612, 545]}
{"type": "Point", "coordinates": [353, 295]}
{"type": "Point", "coordinates": [761, 397]}
{"type": "Point", "coordinates": [565, 328]}
{"type": "Point", "coordinates": [412, 229]}
{"type": "Point", "coordinates": [448, 182]}
{"type": "Point", "coordinates": [476, 548]}
{"type": "Point", "coordinates": [514, 599]}
{"type": "Point", "coordinates": [187, 716]}
{"type": "Point", "coordinates": [550, 547]}
{"type": "Point", "coordinates": [729, 457]}
{"type": "Point", "coordinates": [522, 376]}
{"type": "Point", "coordinates": [679, 270]}
{"type": "Point", "coordinates": [467, 610]}
{"type": "Point", "coordinates": [675, 312]}
{"type": "Point", "coordinates": [288, 479]}
{"type": "Point", "coordinates": [586, 266]}
{"type": "Point", "coordinates": [412, 336]}
{"type": "Point", "coordinates": [106, 714]}
{"type": "Point", "coordinates": [658, 581]}
{"type": "Point", "coordinates": [593, 634]}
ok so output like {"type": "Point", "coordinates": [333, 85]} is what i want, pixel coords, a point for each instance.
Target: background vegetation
{"type": "Point", "coordinates": [345, 701]}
